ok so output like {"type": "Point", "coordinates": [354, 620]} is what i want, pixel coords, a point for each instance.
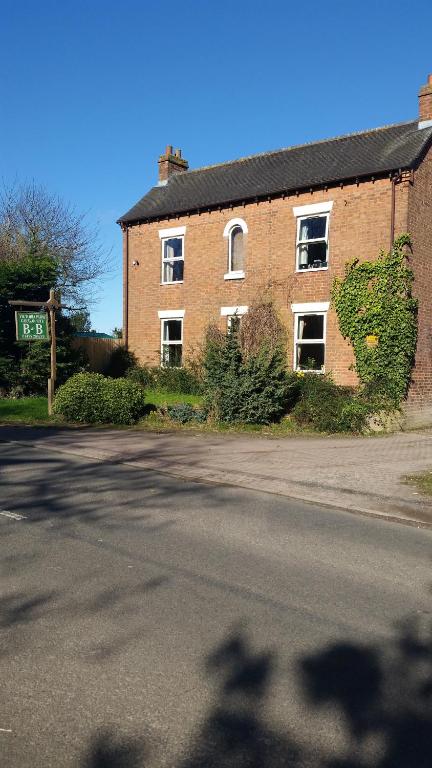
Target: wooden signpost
{"type": "Point", "coordinates": [33, 326]}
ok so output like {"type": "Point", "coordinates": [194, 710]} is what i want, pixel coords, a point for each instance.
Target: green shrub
{"type": "Point", "coordinates": [184, 413]}
{"type": "Point", "coordinates": [252, 388]}
{"type": "Point", "coordinates": [124, 400]}
{"type": "Point", "coordinates": [90, 398]}
{"type": "Point", "coordinates": [142, 375]}
{"type": "Point", "coordinates": [82, 399]}
{"type": "Point", "coordinates": [120, 361]}
{"type": "Point", "coordinates": [181, 380]}
{"type": "Point", "coordinates": [327, 407]}
{"type": "Point", "coordinates": [35, 366]}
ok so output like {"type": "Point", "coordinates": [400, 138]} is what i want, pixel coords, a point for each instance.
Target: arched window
{"type": "Point", "coordinates": [236, 249]}
{"type": "Point", "coordinates": [235, 232]}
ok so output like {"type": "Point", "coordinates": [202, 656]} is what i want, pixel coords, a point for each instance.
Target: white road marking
{"type": "Point", "coordinates": [12, 515]}
{"type": "Point", "coordinates": [6, 730]}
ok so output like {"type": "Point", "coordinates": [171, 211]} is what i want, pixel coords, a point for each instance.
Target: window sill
{"type": "Point", "coordinates": [309, 370]}
{"type": "Point", "coordinates": [174, 282]}
{"type": "Point", "coordinates": [312, 269]}
{"type": "Point", "coordinates": [239, 275]}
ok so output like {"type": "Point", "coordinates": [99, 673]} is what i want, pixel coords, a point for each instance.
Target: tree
{"type": "Point", "coordinates": [29, 215]}
{"type": "Point", "coordinates": [80, 321]}
{"type": "Point", "coordinates": [245, 371]}
{"type": "Point", "coordinates": [26, 364]}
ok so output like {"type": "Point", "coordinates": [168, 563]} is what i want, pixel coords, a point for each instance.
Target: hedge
{"type": "Point", "coordinates": [90, 398]}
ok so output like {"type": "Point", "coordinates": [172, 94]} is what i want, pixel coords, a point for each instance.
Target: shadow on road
{"type": "Point", "coordinates": [382, 695]}
{"type": "Point", "coordinates": [107, 751]}
{"type": "Point", "coordinates": [378, 694]}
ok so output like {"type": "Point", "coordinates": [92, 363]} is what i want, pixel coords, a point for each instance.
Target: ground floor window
{"type": "Point", "coordinates": [234, 323]}
{"type": "Point", "coordinates": [309, 337]}
{"type": "Point", "coordinates": [172, 342]}
{"type": "Point", "coordinates": [233, 317]}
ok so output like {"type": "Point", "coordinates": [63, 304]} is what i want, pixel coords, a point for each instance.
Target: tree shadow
{"type": "Point", "coordinates": [109, 751]}
{"type": "Point", "coordinates": [384, 693]}
{"type": "Point", "coordinates": [235, 734]}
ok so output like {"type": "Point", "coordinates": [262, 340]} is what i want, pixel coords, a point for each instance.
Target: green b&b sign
{"type": "Point", "coordinates": [32, 326]}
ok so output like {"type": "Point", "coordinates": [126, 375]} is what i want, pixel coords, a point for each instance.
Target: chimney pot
{"type": "Point", "coordinates": [171, 163]}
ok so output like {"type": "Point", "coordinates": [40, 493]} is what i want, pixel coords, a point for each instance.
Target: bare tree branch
{"type": "Point", "coordinates": [28, 214]}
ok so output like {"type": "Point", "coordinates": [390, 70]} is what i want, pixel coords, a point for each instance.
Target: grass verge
{"type": "Point", "coordinates": [160, 399]}
{"type": "Point", "coordinates": [422, 481]}
{"type": "Point", "coordinates": [34, 411]}
{"type": "Point", "coordinates": [26, 410]}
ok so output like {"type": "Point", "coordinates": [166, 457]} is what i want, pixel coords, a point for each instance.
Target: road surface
{"type": "Point", "coordinates": [150, 622]}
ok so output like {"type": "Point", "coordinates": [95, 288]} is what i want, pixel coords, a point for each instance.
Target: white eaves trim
{"type": "Point", "coordinates": [311, 306]}
{"type": "Point", "coordinates": [173, 314]}
{"type": "Point", "coordinates": [172, 232]}
{"type": "Point", "coordinates": [228, 311]}
{"type": "Point", "coordinates": [425, 124]}
{"type": "Point", "coordinates": [308, 210]}
{"type": "Point", "coordinates": [235, 223]}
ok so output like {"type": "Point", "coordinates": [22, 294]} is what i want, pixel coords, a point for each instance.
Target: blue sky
{"type": "Point", "coordinates": [92, 91]}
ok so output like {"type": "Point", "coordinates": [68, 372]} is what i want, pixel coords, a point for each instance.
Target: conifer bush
{"type": "Point", "coordinates": [245, 376]}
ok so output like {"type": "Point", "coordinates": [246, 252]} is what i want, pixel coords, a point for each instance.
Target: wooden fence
{"type": "Point", "coordinates": [97, 350]}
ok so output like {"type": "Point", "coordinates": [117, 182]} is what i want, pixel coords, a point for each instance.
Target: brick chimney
{"type": "Point", "coordinates": [169, 163]}
{"type": "Point", "coordinates": [425, 104]}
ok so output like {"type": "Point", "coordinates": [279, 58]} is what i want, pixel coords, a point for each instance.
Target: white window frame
{"type": "Point", "coordinates": [238, 274]}
{"type": "Point", "coordinates": [230, 312]}
{"type": "Point", "coordinates": [239, 311]}
{"type": "Point", "coordinates": [164, 316]}
{"type": "Point", "coordinates": [167, 234]}
{"type": "Point", "coordinates": [310, 308]}
{"type": "Point", "coordinates": [312, 211]}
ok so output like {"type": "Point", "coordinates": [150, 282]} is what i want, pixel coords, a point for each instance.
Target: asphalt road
{"type": "Point", "coordinates": [147, 621]}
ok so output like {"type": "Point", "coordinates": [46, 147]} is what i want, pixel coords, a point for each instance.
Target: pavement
{"type": "Point", "coordinates": [360, 474]}
{"type": "Point", "coordinates": [150, 621]}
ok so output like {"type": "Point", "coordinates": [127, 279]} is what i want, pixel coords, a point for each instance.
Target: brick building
{"type": "Point", "coordinates": [204, 245]}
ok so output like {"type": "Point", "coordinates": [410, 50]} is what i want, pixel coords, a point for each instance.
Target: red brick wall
{"type": "Point", "coordinates": [359, 227]}
{"type": "Point", "coordinates": [420, 227]}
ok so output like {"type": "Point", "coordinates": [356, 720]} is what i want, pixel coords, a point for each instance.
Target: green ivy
{"type": "Point", "coordinates": [375, 300]}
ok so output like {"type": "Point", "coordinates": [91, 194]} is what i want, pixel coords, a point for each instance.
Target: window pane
{"type": "Point", "coordinates": [310, 327]}
{"type": "Point", "coordinates": [312, 255]}
{"type": "Point", "coordinates": [172, 355]}
{"type": "Point", "coordinates": [173, 248]}
{"type": "Point", "coordinates": [172, 330]}
{"type": "Point", "coordinates": [173, 271]}
{"type": "Point", "coordinates": [237, 259]}
{"type": "Point", "coordinates": [313, 227]}
{"type": "Point", "coordinates": [310, 357]}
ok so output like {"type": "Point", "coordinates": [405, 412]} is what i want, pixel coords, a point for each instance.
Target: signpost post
{"type": "Point", "coordinates": [33, 326]}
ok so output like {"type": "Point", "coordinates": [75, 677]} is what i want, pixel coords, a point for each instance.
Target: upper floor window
{"type": "Point", "coordinates": [236, 231]}
{"type": "Point", "coordinates": [312, 236]}
{"type": "Point", "coordinates": [172, 241]}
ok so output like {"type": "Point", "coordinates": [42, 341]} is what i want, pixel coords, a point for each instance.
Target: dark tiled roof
{"type": "Point", "coordinates": [348, 157]}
